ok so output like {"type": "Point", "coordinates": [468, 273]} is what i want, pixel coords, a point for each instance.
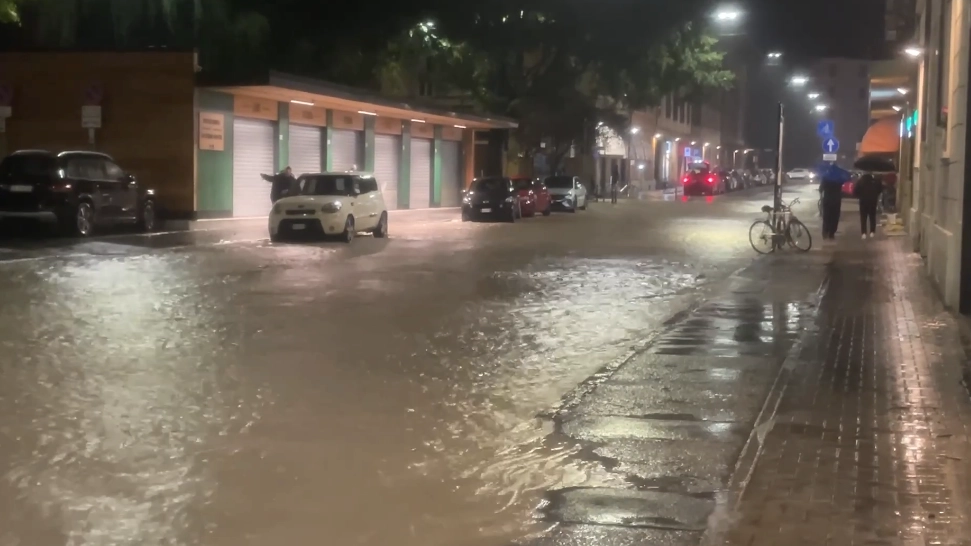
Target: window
{"type": "Point", "coordinates": [87, 168]}
{"type": "Point", "coordinates": [368, 185]}
{"type": "Point", "coordinates": [112, 171]}
{"type": "Point", "coordinates": [28, 165]}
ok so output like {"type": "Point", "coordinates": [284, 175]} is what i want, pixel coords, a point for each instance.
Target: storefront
{"type": "Point", "coordinates": [202, 145]}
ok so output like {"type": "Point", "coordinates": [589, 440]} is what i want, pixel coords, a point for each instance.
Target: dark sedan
{"type": "Point", "coordinates": [493, 197]}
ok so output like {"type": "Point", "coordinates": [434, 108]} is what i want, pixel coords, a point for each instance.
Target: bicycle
{"type": "Point", "coordinates": [780, 227]}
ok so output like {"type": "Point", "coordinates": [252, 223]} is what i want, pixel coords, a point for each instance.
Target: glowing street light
{"type": "Point", "coordinates": [897, 108]}
{"type": "Point", "coordinates": [903, 90]}
{"type": "Point", "coordinates": [774, 55]}
{"type": "Point", "coordinates": [799, 80]}
{"type": "Point", "coordinates": [657, 135]}
{"type": "Point", "coordinates": [913, 51]}
{"type": "Point", "coordinates": [727, 14]}
{"type": "Point", "coordinates": [813, 96]}
{"type": "Point", "coordinates": [821, 107]}
{"type": "Point", "coordinates": [634, 130]}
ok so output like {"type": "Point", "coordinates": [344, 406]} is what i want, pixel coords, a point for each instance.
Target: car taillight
{"type": "Point", "coordinates": [711, 179]}
{"type": "Point", "coordinates": [686, 179]}
{"type": "Point", "coordinates": [61, 186]}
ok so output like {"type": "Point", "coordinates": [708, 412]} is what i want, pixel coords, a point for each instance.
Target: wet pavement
{"type": "Point", "coordinates": [458, 383]}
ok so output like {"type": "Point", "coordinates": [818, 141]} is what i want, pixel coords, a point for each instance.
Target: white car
{"type": "Point", "coordinates": [800, 174]}
{"type": "Point", "coordinates": [566, 192]}
{"type": "Point", "coordinates": [342, 204]}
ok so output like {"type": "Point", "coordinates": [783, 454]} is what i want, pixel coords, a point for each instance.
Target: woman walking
{"type": "Point", "coordinates": [867, 190]}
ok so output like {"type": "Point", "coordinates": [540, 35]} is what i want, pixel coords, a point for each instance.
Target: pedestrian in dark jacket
{"type": "Point", "coordinates": [614, 181]}
{"type": "Point", "coordinates": [867, 190]}
{"type": "Point", "coordinates": [831, 183]}
{"type": "Point", "coordinates": [282, 184]}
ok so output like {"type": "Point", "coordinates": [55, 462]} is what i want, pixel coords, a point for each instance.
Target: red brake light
{"type": "Point", "coordinates": [711, 179]}
{"type": "Point", "coordinates": [686, 179]}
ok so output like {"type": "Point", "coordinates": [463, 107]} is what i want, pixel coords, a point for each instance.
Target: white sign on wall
{"type": "Point", "coordinates": [91, 117]}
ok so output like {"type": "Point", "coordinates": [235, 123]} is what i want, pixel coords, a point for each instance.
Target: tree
{"type": "Point", "coordinates": [560, 67]}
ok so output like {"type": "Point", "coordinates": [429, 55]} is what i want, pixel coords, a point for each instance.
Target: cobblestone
{"type": "Point", "coordinates": [869, 443]}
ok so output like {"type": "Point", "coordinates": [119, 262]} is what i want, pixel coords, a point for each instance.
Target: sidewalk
{"type": "Point", "coordinates": [865, 439]}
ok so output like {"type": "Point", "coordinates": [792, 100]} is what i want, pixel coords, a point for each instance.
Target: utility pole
{"type": "Point", "coordinates": [777, 201]}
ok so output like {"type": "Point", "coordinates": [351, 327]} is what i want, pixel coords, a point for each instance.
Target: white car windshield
{"type": "Point", "coordinates": [326, 185]}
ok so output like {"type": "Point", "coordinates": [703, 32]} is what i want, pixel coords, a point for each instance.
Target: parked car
{"type": "Point", "coordinates": [801, 174]}
{"type": "Point", "coordinates": [491, 197]}
{"type": "Point", "coordinates": [566, 192]}
{"type": "Point", "coordinates": [534, 197]}
{"type": "Point", "coordinates": [80, 191]}
{"type": "Point", "coordinates": [342, 204]}
{"type": "Point", "coordinates": [701, 180]}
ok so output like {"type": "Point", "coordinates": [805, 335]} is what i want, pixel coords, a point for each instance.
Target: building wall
{"type": "Point", "coordinates": [147, 121]}
{"type": "Point", "coordinates": [936, 218]}
{"type": "Point", "coordinates": [214, 174]}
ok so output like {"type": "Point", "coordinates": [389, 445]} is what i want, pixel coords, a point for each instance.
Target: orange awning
{"type": "Point", "coordinates": [882, 137]}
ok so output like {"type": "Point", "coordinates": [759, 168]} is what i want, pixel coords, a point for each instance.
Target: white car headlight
{"type": "Point", "coordinates": [331, 207]}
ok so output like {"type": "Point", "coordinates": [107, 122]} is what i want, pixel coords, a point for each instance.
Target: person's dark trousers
{"type": "Point", "coordinates": [868, 215]}
{"type": "Point", "coordinates": [613, 194]}
{"type": "Point", "coordinates": [832, 206]}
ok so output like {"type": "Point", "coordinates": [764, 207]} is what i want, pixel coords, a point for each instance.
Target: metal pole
{"type": "Point", "coordinates": [777, 201]}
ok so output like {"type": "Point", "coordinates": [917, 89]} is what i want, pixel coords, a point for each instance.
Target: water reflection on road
{"type": "Point", "coordinates": [267, 394]}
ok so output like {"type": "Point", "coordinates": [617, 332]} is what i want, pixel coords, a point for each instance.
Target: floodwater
{"type": "Point", "coordinates": [387, 393]}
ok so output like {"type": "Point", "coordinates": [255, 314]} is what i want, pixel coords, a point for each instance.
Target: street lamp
{"type": "Point", "coordinates": [821, 107]}
{"type": "Point", "coordinates": [727, 14]}
{"type": "Point", "coordinates": [799, 80]}
{"type": "Point", "coordinates": [693, 142]}
{"type": "Point", "coordinates": [813, 96]}
{"type": "Point", "coordinates": [657, 135]}
{"type": "Point", "coordinates": [913, 51]}
{"type": "Point", "coordinates": [634, 130]}
{"type": "Point", "coordinates": [903, 90]}
{"type": "Point", "coordinates": [774, 55]}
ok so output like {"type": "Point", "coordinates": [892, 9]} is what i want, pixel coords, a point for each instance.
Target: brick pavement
{"type": "Point", "coordinates": [867, 441]}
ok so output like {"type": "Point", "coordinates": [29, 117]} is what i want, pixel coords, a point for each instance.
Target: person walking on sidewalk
{"type": "Point", "coordinates": [831, 183]}
{"type": "Point", "coordinates": [867, 190]}
{"type": "Point", "coordinates": [614, 181]}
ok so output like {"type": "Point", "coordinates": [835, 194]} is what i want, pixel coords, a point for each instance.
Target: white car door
{"type": "Point", "coordinates": [365, 216]}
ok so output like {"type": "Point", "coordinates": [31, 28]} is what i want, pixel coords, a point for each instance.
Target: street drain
{"type": "Point", "coordinates": [621, 507]}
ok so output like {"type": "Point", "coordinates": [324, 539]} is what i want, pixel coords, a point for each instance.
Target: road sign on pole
{"type": "Point", "coordinates": [829, 157]}
{"type": "Point", "coordinates": [825, 128]}
{"type": "Point", "coordinates": [831, 145]}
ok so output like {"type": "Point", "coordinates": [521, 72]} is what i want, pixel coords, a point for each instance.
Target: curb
{"type": "Point", "coordinates": [722, 518]}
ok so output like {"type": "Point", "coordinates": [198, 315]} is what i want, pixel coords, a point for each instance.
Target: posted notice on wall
{"type": "Point", "coordinates": [212, 131]}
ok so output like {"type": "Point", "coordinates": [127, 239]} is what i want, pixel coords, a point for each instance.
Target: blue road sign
{"type": "Point", "coordinates": [831, 145]}
{"type": "Point", "coordinates": [688, 152]}
{"type": "Point", "coordinates": [825, 128]}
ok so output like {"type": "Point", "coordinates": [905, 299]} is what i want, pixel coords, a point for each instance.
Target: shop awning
{"type": "Point", "coordinates": [288, 88]}
{"type": "Point", "coordinates": [882, 137]}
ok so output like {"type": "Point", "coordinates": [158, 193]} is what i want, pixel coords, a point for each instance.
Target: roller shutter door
{"type": "Point", "coordinates": [348, 150]}
{"type": "Point", "coordinates": [421, 174]}
{"type": "Point", "coordinates": [253, 152]}
{"type": "Point", "coordinates": [305, 149]}
{"type": "Point", "coordinates": [451, 173]}
{"type": "Point", "coordinates": [387, 160]}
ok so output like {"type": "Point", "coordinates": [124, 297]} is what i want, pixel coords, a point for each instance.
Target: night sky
{"type": "Point", "coordinates": [815, 28]}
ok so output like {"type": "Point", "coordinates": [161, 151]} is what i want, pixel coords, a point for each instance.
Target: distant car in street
{"type": "Point", "coordinates": [800, 174]}
{"type": "Point", "coordinates": [79, 191]}
{"type": "Point", "coordinates": [492, 197]}
{"type": "Point", "coordinates": [566, 192]}
{"type": "Point", "coordinates": [534, 197]}
{"type": "Point", "coordinates": [341, 204]}
{"type": "Point", "coordinates": [701, 180]}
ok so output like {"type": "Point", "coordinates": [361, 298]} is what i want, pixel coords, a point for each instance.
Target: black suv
{"type": "Point", "coordinates": [491, 197]}
{"type": "Point", "coordinates": [78, 190]}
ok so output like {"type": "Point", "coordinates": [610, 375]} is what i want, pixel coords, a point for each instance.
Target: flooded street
{"type": "Point", "coordinates": [225, 391]}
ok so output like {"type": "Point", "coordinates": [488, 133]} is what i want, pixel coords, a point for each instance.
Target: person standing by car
{"type": "Point", "coordinates": [831, 180]}
{"type": "Point", "coordinates": [281, 184]}
{"type": "Point", "coordinates": [867, 190]}
{"type": "Point", "coordinates": [614, 181]}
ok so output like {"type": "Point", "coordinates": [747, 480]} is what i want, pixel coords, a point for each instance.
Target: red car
{"type": "Point", "coordinates": [533, 196]}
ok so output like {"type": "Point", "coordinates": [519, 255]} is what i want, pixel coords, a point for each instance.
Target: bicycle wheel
{"type": "Point", "coordinates": [761, 233]}
{"type": "Point", "coordinates": [798, 236]}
